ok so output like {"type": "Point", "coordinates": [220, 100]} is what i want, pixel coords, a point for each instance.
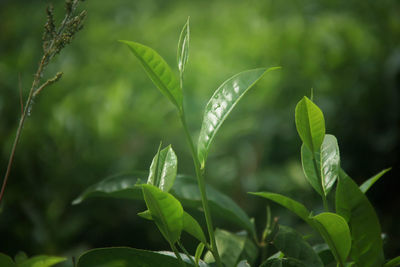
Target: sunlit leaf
{"type": "Point", "coordinates": [310, 124]}
{"type": "Point", "coordinates": [163, 169]}
{"type": "Point", "coordinates": [183, 47]}
{"type": "Point", "coordinates": [199, 252]}
{"type": "Point", "coordinates": [41, 261]}
{"type": "Point", "coordinates": [191, 226]}
{"type": "Point", "coordinates": [158, 71]}
{"type": "Point", "coordinates": [221, 104]}
{"type": "Point", "coordinates": [371, 181]}
{"type": "Point", "coordinates": [335, 231]}
{"type": "Point", "coordinates": [330, 162]}
{"type": "Point", "coordinates": [125, 257]}
{"type": "Point", "coordinates": [354, 206]}
{"type": "Point", "coordinates": [294, 246]}
{"type": "Point", "coordinates": [288, 203]}
{"type": "Point", "coordinates": [165, 210]}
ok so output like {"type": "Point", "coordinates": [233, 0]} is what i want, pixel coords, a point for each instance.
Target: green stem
{"type": "Point", "coordinates": [178, 256]}
{"type": "Point", "coordinates": [202, 188]}
{"type": "Point", "coordinates": [187, 253]}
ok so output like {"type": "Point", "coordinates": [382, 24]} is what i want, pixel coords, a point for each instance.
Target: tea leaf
{"type": "Point", "coordinates": [288, 203]}
{"type": "Point", "coordinates": [371, 181]}
{"type": "Point", "coordinates": [6, 261]}
{"type": "Point", "coordinates": [310, 124]}
{"type": "Point", "coordinates": [159, 72]}
{"type": "Point", "coordinates": [355, 207]}
{"type": "Point", "coordinates": [183, 47]}
{"type": "Point", "coordinates": [125, 257]}
{"type": "Point", "coordinates": [393, 262]}
{"type": "Point", "coordinates": [285, 262]}
{"type": "Point", "coordinates": [293, 245]}
{"type": "Point", "coordinates": [41, 261]}
{"type": "Point", "coordinates": [330, 162]}
{"type": "Point", "coordinates": [165, 210]}
{"type": "Point", "coordinates": [312, 171]}
{"type": "Point", "coordinates": [335, 231]}
{"type": "Point", "coordinates": [199, 252]}
{"type": "Point", "coordinates": [163, 169]}
{"type": "Point", "coordinates": [221, 104]}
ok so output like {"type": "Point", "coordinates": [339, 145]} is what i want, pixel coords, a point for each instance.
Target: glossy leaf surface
{"type": "Point", "coordinates": [371, 181]}
{"type": "Point", "coordinates": [354, 206]}
{"type": "Point", "coordinates": [159, 72]}
{"type": "Point", "coordinates": [116, 186]}
{"type": "Point", "coordinates": [230, 247]}
{"type": "Point", "coordinates": [6, 261]}
{"type": "Point", "coordinates": [310, 124]}
{"type": "Point", "coordinates": [335, 231]}
{"type": "Point", "coordinates": [125, 257]}
{"type": "Point", "coordinates": [330, 162]}
{"type": "Point", "coordinates": [42, 261]}
{"type": "Point", "coordinates": [183, 47]}
{"type": "Point", "coordinates": [288, 203]}
{"type": "Point", "coordinates": [163, 169]}
{"type": "Point", "coordinates": [165, 210]}
{"type": "Point", "coordinates": [293, 245]}
{"type": "Point", "coordinates": [221, 104]}
{"type": "Point", "coordinates": [311, 171]}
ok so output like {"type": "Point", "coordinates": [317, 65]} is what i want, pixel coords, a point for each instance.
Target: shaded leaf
{"type": "Point", "coordinates": [312, 171]}
{"type": "Point", "coordinates": [330, 162]}
{"type": "Point", "coordinates": [6, 261]}
{"type": "Point", "coordinates": [310, 124]}
{"type": "Point", "coordinates": [284, 262]}
{"type": "Point", "coordinates": [324, 253]}
{"type": "Point", "coordinates": [199, 252]}
{"type": "Point", "coordinates": [354, 206]}
{"type": "Point", "coordinates": [221, 104]}
{"type": "Point", "coordinates": [183, 47]}
{"type": "Point", "coordinates": [125, 257]}
{"type": "Point", "coordinates": [191, 226]}
{"type": "Point", "coordinates": [371, 181]}
{"type": "Point", "coordinates": [243, 263]}
{"type": "Point", "coordinates": [393, 262]}
{"type": "Point", "coordinates": [41, 261]}
{"type": "Point", "coordinates": [159, 72]}
{"type": "Point", "coordinates": [288, 203]}
{"type": "Point", "coordinates": [165, 210]}
{"type": "Point", "coordinates": [335, 231]}
{"type": "Point", "coordinates": [230, 247]}
{"type": "Point", "coordinates": [294, 246]}
{"type": "Point", "coordinates": [163, 169]}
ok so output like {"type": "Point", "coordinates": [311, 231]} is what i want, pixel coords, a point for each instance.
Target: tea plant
{"type": "Point", "coordinates": [352, 233]}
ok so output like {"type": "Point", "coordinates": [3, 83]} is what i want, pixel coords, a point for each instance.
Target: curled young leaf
{"type": "Point", "coordinates": [163, 169]}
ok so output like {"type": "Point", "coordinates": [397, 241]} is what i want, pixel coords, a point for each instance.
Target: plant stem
{"type": "Point", "coordinates": [178, 256]}
{"type": "Point", "coordinates": [187, 253]}
{"type": "Point", "coordinates": [202, 188]}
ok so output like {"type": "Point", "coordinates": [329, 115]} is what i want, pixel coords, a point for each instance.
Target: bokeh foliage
{"type": "Point", "coordinates": [105, 116]}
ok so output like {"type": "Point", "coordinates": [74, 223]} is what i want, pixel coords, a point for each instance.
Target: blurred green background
{"type": "Point", "coordinates": [106, 117]}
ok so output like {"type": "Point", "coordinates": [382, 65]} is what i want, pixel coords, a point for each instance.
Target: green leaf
{"type": "Point", "coordinates": [221, 104]}
{"type": "Point", "coordinates": [166, 212]}
{"type": "Point", "coordinates": [191, 226]}
{"type": "Point", "coordinates": [371, 181]}
{"type": "Point", "coordinates": [294, 246]}
{"type": "Point", "coordinates": [230, 247]}
{"type": "Point", "coordinates": [145, 215]}
{"type": "Point", "coordinates": [288, 203]}
{"type": "Point", "coordinates": [310, 124]}
{"type": "Point", "coordinates": [125, 257]}
{"type": "Point", "coordinates": [353, 205]}
{"type": "Point", "coordinates": [324, 253]}
{"type": "Point", "coordinates": [330, 162]}
{"type": "Point", "coordinates": [6, 261]}
{"type": "Point", "coordinates": [335, 231]}
{"type": "Point", "coordinates": [243, 263]}
{"type": "Point", "coordinates": [199, 252]}
{"type": "Point", "coordinates": [393, 262]}
{"type": "Point", "coordinates": [159, 72]}
{"type": "Point", "coordinates": [116, 186]}
{"type": "Point", "coordinates": [163, 169]}
{"type": "Point", "coordinates": [285, 262]}
{"type": "Point", "coordinates": [183, 47]}
{"type": "Point", "coordinates": [185, 189]}
{"type": "Point", "coordinates": [42, 261]}
{"type": "Point", "coordinates": [20, 257]}
{"type": "Point", "coordinates": [311, 171]}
